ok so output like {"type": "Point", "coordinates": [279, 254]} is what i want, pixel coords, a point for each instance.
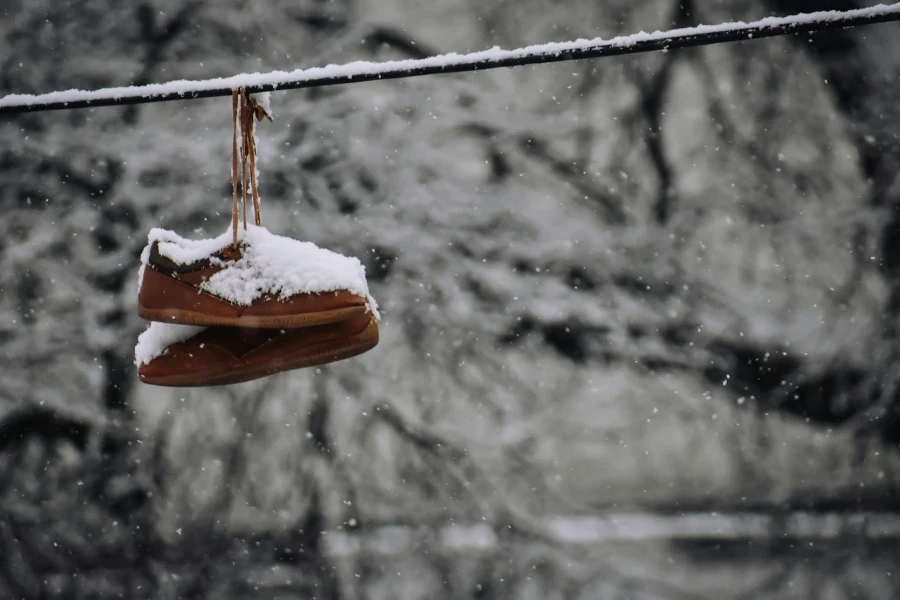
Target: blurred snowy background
{"type": "Point", "coordinates": [614, 291]}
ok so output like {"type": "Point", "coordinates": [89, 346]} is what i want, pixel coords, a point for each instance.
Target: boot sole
{"type": "Point", "coordinates": [320, 354]}
{"type": "Point", "coordinates": [186, 317]}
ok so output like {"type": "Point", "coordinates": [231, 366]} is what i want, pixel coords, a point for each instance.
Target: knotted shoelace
{"type": "Point", "coordinates": [243, 110]}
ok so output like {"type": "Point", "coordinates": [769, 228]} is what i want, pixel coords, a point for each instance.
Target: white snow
{"type": "Point", "coordinates": [265, 100]}
{"type": "Point", "coordinates": [184, 251]}
{"type": "Point", "coordinates": [270, 265]}
{"type": "Point", "coordinates": [495, 54]}
{"type": "Point", "coordinates": [159, 336]}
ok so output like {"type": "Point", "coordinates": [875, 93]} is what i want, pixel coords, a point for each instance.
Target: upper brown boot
{"type": "Point", "coordinates": [266, 282]}
{"type": "Point", "coordinates": [224, 355]}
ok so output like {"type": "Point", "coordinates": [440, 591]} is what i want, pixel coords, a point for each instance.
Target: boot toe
{"type": "Point", "coordinates": [186, 363]}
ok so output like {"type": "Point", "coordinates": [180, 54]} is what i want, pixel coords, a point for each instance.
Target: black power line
{"type": "Point", "coordinates": [478, 61]}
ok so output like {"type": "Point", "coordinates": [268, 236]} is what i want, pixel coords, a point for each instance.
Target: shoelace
{"type": "Point", "coordinates": [243, 110]}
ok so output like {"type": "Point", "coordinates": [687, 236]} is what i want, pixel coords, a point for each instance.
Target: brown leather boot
{"type": "Point", "coordinates": [181, 294]}
{"type": "Point", "coordinates": [224, 355]}
{"type": "Point", "coordinates": [248, 277]}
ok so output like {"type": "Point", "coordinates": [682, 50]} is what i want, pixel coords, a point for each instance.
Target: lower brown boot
{"type": "Point", "coordinates": [225, 355]}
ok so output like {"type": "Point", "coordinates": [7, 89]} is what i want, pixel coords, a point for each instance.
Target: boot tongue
{"type": "Point", "coordinates": [230, 253]}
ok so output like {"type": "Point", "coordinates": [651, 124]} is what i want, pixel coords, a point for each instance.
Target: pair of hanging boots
{"type": "Point", "coordinates": [248, 303]}
{"type": "Point", "coordinates": [271, 304]}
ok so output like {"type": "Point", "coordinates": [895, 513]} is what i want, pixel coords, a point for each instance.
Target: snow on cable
{"type": "Point", "coordinates": [453, 62]}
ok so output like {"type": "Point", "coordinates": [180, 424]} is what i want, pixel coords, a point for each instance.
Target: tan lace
{"type": "Point", "coordinates": [243, 110]}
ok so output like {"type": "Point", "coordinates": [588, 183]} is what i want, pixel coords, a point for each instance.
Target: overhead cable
{"type": "Point", "coordinates": [493, 58]}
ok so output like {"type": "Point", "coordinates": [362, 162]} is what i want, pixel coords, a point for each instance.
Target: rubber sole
{"type": "Point", "coordinates": [319, 354]}
{"type": "Point", "coordinates": [186, 317]}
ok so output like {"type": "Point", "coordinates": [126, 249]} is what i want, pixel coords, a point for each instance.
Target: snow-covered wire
{"type": "Point", "coordinates": [453, 63]}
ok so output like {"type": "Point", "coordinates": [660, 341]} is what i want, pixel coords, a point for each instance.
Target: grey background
{"type": "Point", "coordinates": [648, 286]}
